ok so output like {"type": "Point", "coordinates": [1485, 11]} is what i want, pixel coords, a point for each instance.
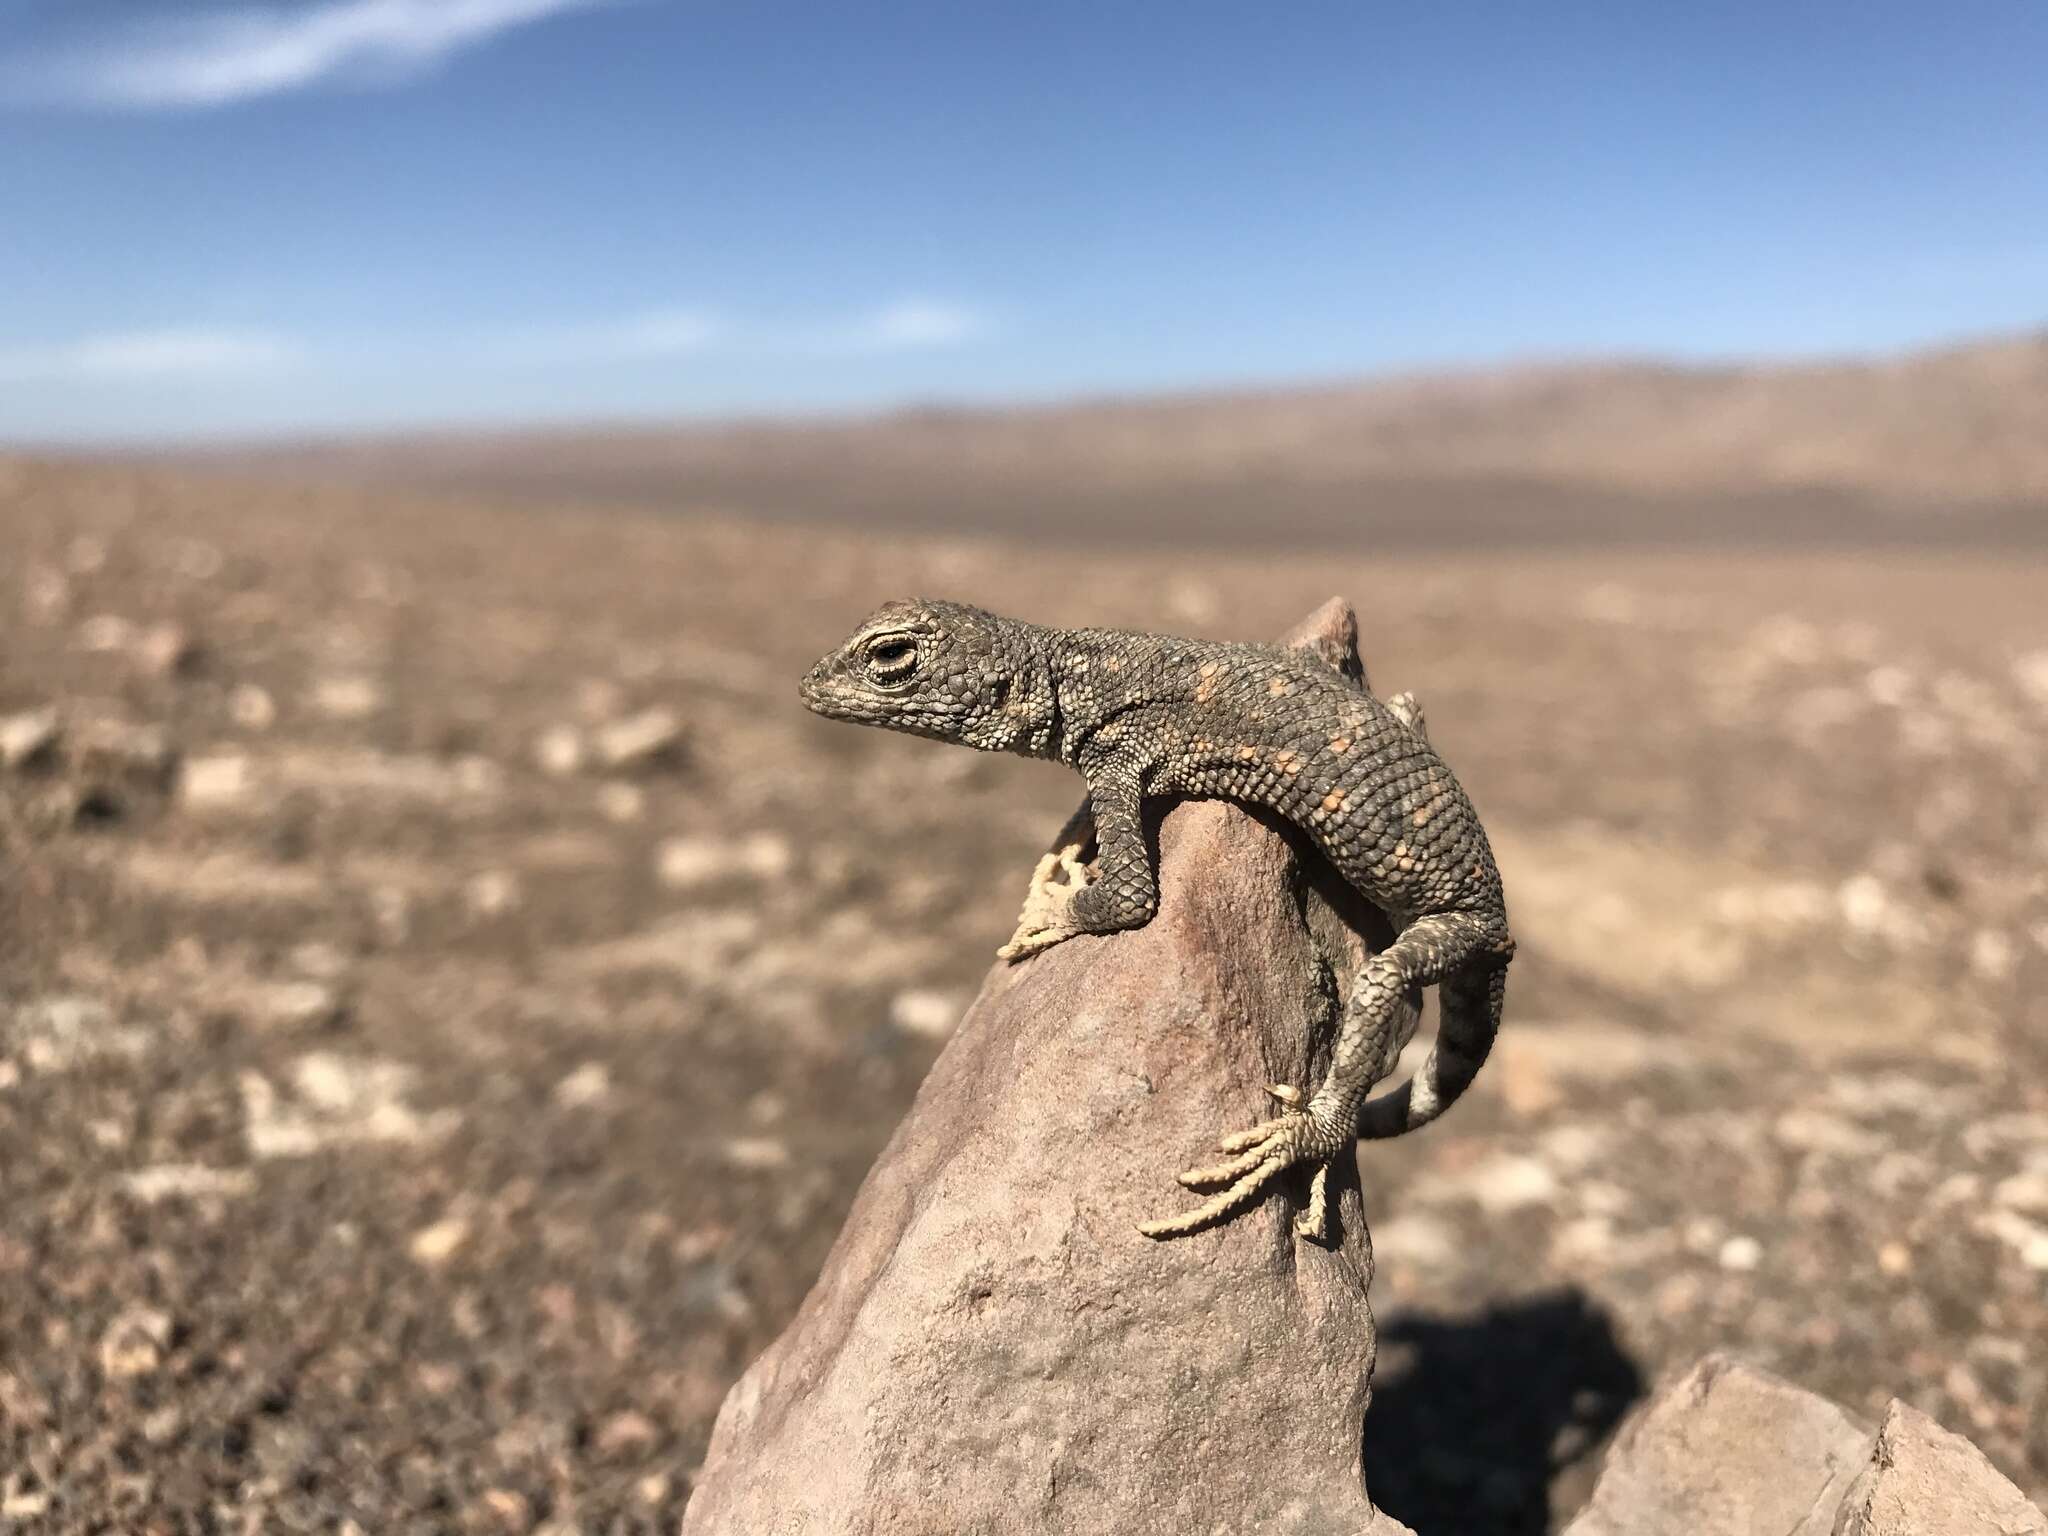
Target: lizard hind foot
{"type": "Point", "coordinates": [1263, 1153]}
{"type": "Point", "coordinates": [1048, 915]}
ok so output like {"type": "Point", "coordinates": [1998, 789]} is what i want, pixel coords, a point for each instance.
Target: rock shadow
{"type": "Point", "coordinates": [1475, 1418]}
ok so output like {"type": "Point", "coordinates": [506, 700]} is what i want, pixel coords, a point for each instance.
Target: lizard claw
{"type": "Point", "coordinates": [1263, 1154]}
{"type": "Point", "coordinates": [1048, 915]}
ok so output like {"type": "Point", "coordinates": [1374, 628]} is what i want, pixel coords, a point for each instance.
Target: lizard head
{"type": "Point", "coordinates": [942, 670]}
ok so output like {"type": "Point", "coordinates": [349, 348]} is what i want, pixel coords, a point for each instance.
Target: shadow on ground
{"type": "Point", "coordinates": [1476, 1420]}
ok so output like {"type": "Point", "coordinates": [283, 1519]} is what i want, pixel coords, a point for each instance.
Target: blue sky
{"type": "Point", "coordinates": [330, 214]}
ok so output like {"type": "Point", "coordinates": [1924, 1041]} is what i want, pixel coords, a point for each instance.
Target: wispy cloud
{"type": "Point", "coordinates": [653, 333]}
{"type": "Point", "coordinates": [147, 355]}
{"type": "Point", "coordinates": [225, 56]}
{"type": "Point", "coordinates": [915, 324]}
{"type": "Point", "coordinates": [906, 326]}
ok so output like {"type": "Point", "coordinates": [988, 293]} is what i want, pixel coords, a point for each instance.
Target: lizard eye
{"type": "Point", "coordinates": [892, 658]}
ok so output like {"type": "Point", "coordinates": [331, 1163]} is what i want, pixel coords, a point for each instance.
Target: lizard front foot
{"type": "Point", "coordinates": [1264, 1153]}
{"type": "Point", "coordinates": [1048, 915]}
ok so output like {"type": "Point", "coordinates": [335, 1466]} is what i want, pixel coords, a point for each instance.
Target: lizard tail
{"type": "Point", "coordinates": [1469, 1002]}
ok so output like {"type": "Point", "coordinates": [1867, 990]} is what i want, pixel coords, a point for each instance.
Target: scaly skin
{"type": "Point", "coordinates": [1138, 715]}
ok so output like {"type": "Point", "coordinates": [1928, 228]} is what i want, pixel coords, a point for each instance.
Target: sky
{"type": "Point", "coordinates": [316, 216]}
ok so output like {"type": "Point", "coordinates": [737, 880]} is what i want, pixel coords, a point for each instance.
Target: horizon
{"type": "Point", "coordinates": [334, 219]}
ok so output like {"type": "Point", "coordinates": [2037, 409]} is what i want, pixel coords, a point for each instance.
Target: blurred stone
{"type": "Point", "coordinates": [135, 1343]}
{"type": "Point", "coordinates": [627, 1433]}
{"type": "Point", "coordinates": [639, 741]}
{"type": "Point", "coordinates": [105, 633]}
{"type": "Point", "coordinates": [622, 803]}
{"type": "Point", "coordinates": [1740, 1254]}
{"type": "Point", "coordinates": [28, 739]}
{"type": "Point", "coordinates": [559, 750]}
{"type": "Point", "coordinates": [437, 1244]}
{"type": "Point", "coordinates": [588, 1085]}
{"type": "Point", "coordinates": [46, 594]}
{"type": "Point", "coordinates": [122, 751]}
{"type": "Point", "coordinates": [922, 1011]}
{"type": "Point", "coordinates": [684, 862]}
{"type": "Point", "coordinates": [166, 650]}
{"type": "Point", "coordinates": [1093, 1381]}
{"type": "Point", "coordinates": [216, 783]}
{"type": "Point", "coordinates": [252, 708]}
{"type": "Point", "coordinates": [492, 893]}
{"type": "Point", "coordinates": [347, 698]}
{"type": "Point", "coordinates": [188, 1181]}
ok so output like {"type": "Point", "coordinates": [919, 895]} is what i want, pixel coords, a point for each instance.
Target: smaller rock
{"type": "Point", "coordinates": [30, 739]}
{"type": "Point", "coordinates": [756, 1153]}
{"type": "Point", "coordinates": [923, 1011]}
{"type": "Point", "coordinates": [1924, 1480]}
{"type": "Point", "coordinates": [492, 893]}
{"type": "Point", "coordinates": [135, 1344]}
{"type": "Point", "coordinates": [640, 741]}
{"type": "Point", "coordinates": [589, 1085]}
{"type": "Point", "coordinates": [437, 1244]}
{"type": "Point", "coordinates": [348, 697]}
{"type": "Point", "coordinates": [218, 782]}
{"type": "Point", "coordinates": [166, 650]}
{"type": "Point", "coordinates": [46, 594]}
{"type": "Point", "coordinates": [188, 1181]}
{"type": "Point", "coordinates": [123, 752]}
{"type": "Point", "coordinates": [560, 751]}
{"type": "Point", "coordinates": [1741, 1254]}
{"type": "Point", "coordinates": [252, 708]}
{"type": "Point", "coordinates": [685, 862]}
{"type": "Point", "coordinates": [508, 1508]}
{"type": "Point", "coordinates": [622, 803]}
{"type": "Point", "coordinates": [105, 633]}
{"type": "Point", "coordinates": [627, 1433]}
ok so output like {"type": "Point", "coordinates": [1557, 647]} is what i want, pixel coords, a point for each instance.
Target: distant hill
{"type": "Point", "coordinates": [1934, 446]}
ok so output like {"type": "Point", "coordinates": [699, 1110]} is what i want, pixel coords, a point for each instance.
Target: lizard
{"type": "Point", "coordinates": [1141, 715]}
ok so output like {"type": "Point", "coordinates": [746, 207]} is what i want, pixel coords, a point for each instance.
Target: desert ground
{"type": "Point", "coordinates": [450, 990]}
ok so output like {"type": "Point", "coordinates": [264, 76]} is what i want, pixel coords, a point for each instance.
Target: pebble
{"type": "Point", "coordinates": [135, 1344]}
{"type": "Point", "coordinates": [252, 708]}
{"type": "Point", "coordinates": [166, 650]}
{"type": "Point", "coordinates": [188, 1181]}
{"type": "Point", "coordinates": [28, 739]}
{"type": "Point", "coordinates": [492, 893]}
{"type": "Point", "coordinates": [685, 862]}
{"type": "Point", "coordinates": [622, 803]}
{"type": "Point", "coordinates": [1741, 1254]}
{"type": "Point", "coordinates": [590, 1084]}
{"type": "Point", "coordinates": [105, 633]}
{"type": "Point", "coordinates": [217, 782]}
{"type": "Point", "coordinates": [437, 1244]}
{"type": "Point", "coordinates": [926, 1012]}
{"type": "Point", "coordinates": [347, 698]}
{"type": "Point", "coordinates": [560, 751]}
{"type": "Point", "coordinates": [640, 741]}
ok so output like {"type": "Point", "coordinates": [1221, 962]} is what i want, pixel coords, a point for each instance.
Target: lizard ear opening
{"type": "Point", "coordinates": [999, 693]}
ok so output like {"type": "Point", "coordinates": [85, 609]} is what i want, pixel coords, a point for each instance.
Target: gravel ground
{"type": "Point", "coordinates": [449, 990]}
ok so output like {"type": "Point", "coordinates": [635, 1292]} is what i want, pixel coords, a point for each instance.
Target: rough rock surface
{"type": "Point", "coordinates": [992, 1346]}
{"type": "Point", "coordinates": [1727, 1450]}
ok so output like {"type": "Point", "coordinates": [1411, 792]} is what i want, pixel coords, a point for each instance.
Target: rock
{"type": "Point", "coordinates": [166, 650]}
{"type": "Point", "coordinates": [123, 753]}
{"type": "Point", "coordinates": [1727, 1450]}
{"type": "Point", "coordinates": [28, 740]}
{"type": "Point", "coordinates": [219, 782]}
{"type": "Point", "coordinates": [559, 750]}
{"type": "Point", "coordinates": [686, 862]}
{"type": "Point", "coordinates": [135, 1344]}
{"type": "Point", "coordinates": [992, 1346]}
{"type": "Point", "coordinates": [347, 698]}
{"type": "Point", "coordinates": [1924, 1481]}
{"type": "Point", "coordinates": [252, 708]}
{"type": "Point", "coordinates": [436, 1244]}
{"type": "Point", "coordinates": [640, 741]}
{"type": "Point", "coordinates": [924, 1011]}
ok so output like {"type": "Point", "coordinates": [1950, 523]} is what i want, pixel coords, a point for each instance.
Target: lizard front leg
{"type": "Point", "coordinates": [1121, 891]}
